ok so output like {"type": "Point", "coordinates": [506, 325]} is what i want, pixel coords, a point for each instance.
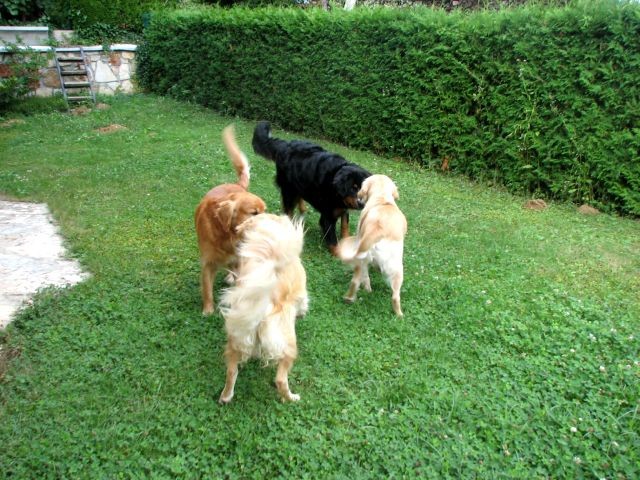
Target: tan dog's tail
{"type": "Point", "coordinates": [238, 158]}
{"type": "Point", "coordinates": [351, 248]}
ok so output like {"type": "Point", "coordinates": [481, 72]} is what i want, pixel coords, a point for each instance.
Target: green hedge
{"type": "Point", "coordinates": [541, 100]}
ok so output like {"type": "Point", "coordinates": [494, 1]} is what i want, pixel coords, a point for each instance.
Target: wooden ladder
{"type": "Point", "coordinates": [75, 76]}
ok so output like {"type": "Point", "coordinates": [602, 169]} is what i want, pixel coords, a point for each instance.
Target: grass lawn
{"type": "Point", "coordinates": [518, 356]}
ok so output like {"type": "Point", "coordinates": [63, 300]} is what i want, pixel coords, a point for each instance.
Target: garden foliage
{"type": "Point", "coordinates": [125, 15]}
{"type": "Point", "coordinates": [16, 10]}
{"type": "Point", "coordinates": [542, 100]}
{"type": "Point", "coordinates": [19, 74]}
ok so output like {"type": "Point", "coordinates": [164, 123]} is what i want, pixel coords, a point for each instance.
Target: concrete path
{"type": "Point", "coordinates": [31, 256]}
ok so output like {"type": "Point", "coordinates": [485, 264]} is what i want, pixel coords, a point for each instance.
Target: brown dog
{"type": "Point", "coordinates": [217, 217]}
{"type": "Point", "coordinates": [380, 239]}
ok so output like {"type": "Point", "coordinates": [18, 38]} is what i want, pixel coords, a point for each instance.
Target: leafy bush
{"type": "Point", "coordinates": [37, 105]}
{"type": "Point", "coordinates": [82, 14]}
{"type": "Point", "coordinates": [16, 10]}
{"type": "Point", "coordinates": [105, 33]}
{"type": "Point", "coordinates": [21, 74]}
{"type": "Point", "coordinates": [541, 100]}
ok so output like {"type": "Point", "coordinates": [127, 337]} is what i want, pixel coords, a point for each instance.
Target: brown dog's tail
{"type": "Point", "coordinates": [238, 158]}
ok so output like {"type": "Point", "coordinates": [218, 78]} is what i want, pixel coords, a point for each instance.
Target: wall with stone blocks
{"type": "Point", "coordinates": [111, 70]}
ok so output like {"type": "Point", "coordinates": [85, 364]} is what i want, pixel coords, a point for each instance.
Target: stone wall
{"type": "Point", "coordinates": [111, 71]}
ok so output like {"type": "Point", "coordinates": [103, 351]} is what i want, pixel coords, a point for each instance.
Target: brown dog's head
{"type": "Point", "coordinates": [237, 208]}
{"type": "Point", "coordinates": [347, 183]}
{"type": "Point", "coordinates": [379, 186]}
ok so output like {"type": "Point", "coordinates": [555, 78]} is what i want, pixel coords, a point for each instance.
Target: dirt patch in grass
{"type": "Point", "coordinates": [81, 110]}
{"type": "Point", "coordinates": [84, 109]}
{"type": "Point", "coordinates": [535, 204]}
{"type": "Point", "coordinates": [111, 128]}
{"type": "Point", "coordinates": [588, 210]}
{"type": "Point", "coordinates": [6, 355]}
{"type": "Point", "coordinates": [11, 123]}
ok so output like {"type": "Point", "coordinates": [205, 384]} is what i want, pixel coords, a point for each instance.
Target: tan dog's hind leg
{"type": "Point", "coordinates": [354, 286]}
{"type": "Point", "coordinates": [233, 358]}
{"type": "Point", "coordinates": [282, 380]}
{"type": "Point", "coordinates": [396, 284]}
{"type": "Point", "coordinates": [232, 275]}
{"type": "Point", "coordinates": [344, 225]}
{"type": "Point", "coordinates": [302, 207]}
{"type": "Point", "coordinates": [207, 276]}
{"type": "Point", "coordinates": [364, 277]}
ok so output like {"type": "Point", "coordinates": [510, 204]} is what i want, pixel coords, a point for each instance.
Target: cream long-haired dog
{"type": "Point", "coordinates": [379, 239]}
{"type": "Point", "coordinates": [270, 292]}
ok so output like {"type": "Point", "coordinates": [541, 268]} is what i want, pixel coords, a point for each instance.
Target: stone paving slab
{"type": "Point", "coordinates": [32, 256]}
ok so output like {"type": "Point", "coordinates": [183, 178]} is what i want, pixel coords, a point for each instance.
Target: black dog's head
{"type": "Point", "coordinates": [347, 183]}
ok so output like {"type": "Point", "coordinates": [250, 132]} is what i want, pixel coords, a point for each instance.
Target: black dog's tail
{"type": "Point", "coordinates": [263, 144]}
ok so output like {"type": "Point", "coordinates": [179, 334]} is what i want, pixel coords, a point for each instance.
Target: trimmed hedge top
{"type": "Point", "coordinates": [541, 100]}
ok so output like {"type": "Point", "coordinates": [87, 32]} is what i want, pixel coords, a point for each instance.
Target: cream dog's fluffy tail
{"type": "Point", "coordinates": [238, 158]}
{"type": "Point", "coordinates": [253, 313]}
{"type": "Point", "coordinates": [245, 308]}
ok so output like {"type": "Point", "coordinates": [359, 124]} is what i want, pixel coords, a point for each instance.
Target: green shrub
{"type": "Point", "coordinates": [104, 33]}
{"type": "Point", "coordinates": [22, 70]}
{"type": "Point", "coordinates": [83, 14]}
{"type": "Point", "coordinates": [37, 105]}
{"type": "Point", "coordinates": [540, 100]}
{"type": "Point", "coordinates": [20, 10]}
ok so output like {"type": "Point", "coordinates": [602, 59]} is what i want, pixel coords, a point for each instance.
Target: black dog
{"type": "Point", "coordinates": [305, 171]}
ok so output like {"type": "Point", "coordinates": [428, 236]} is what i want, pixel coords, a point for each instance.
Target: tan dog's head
{"type": "Point", "coordinates": [347, 181]}
{"type": "Point", "coordinates": [239, 207]}
{"type": "Point", "coordinates": [378, 186]}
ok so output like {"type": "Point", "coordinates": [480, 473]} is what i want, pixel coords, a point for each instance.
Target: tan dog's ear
{"type": "Point", "coordinates": [226, 213]}
{"type": "Point", "coordinates": [395, 193]}
{"type": "Point", "coordinates": [363, 194]}
{"type": "Point", "coordinates": [241, 228]}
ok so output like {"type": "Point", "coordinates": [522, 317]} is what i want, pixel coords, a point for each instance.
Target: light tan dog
{"type": "Point", "coordinates": [270, 292]}
{"type": "Point", "coordinates": [218, 216]}
{"type": "Point", "coordinates": [379, 239]}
